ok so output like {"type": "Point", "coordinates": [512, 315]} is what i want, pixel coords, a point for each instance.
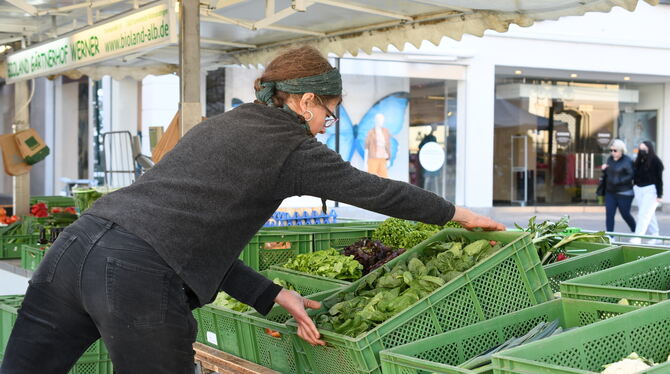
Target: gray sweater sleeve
{"type": "Point", "coordinates": [250, 287]}
{"type": "Point", "coordinates": [314, 169]}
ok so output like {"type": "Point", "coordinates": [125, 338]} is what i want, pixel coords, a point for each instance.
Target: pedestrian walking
{"type": "Point", "coordinates": [648, 190]}
{"type": "Point", "coordinates": [133, 267]}
{"type": "Point", "coordinates": [616, 184]}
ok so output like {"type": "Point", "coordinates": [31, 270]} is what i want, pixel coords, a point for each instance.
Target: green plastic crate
{"type": "Point", "coordinates": [577, 248]}
{"type": "Point", "coordinates": [10, 245]}
{"type": "Point", "coordinates": [445, 352]}
{"type": "Point", "coordinates": [596, 261]}
{"type": "Point", "coordinates": [330, 235]}
{"type": "Point", "coordinates": [339, 238]}
{"type": "Point", "coordinates": [269, 248]}
{"type": "Point", "coordinates": [318, 278]}
{"type": "Point", "coordinates": [585, 350]}
{"type": "Point", "coordinates": [53, 201]}
{"type": "Point", "coordinates": [95, 360]}
{"type": "Point", "coordinates": [224, 329]}
{"type": "Point", "coordinates": [276, 352]}
{"type": "Point", "coordinates": [32, 255]}
{"type": "Point", "coordinates": [642, 282]}
{"type": "Point", "coordinates": [512, 279]}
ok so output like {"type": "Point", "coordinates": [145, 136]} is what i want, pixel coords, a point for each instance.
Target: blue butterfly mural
{"type": "Point", "coordinates": [352, 136]}
{"type": "Point", "coordinates": [236, 102]}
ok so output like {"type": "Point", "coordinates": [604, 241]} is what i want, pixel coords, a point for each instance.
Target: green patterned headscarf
{"type": "Point", "coordinates": [328, 83]}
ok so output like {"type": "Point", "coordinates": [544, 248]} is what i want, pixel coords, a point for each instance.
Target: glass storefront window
{"type": "Point", "coordinates": [552, 136]}
{"type": "Point", "coordinates": [397, 124]}
{"type": "Point", "coordinates": [433, 120]}
{"type": "Point", "coordinates": [397, 119]}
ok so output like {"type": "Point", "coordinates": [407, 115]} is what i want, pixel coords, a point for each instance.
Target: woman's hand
{"type": "Point", "coordinates": [296, 305]}
{"type": "Point", "coordinates": [603, 167]}
{"type": "Point", "coordinates": [470, 220]}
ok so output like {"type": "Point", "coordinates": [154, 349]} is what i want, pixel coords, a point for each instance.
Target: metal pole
{"type": "Point", "coordinates": [21, 183]}
{"type": "Point", "coordinates": [189, 64]}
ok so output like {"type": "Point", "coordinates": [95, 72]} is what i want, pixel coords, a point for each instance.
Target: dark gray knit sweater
{"type": "Point", "coordinates": [203, 202]}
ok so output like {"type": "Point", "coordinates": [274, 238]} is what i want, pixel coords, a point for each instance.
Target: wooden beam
{"type": "Point", "coordinates": [224, 363]}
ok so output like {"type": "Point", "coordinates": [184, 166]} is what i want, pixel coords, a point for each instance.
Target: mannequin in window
{"type": "Point", "coordinates": [378, 148]}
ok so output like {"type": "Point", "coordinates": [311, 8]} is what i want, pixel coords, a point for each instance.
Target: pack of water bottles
{"type": "Point", "coordinates": [300, 217]}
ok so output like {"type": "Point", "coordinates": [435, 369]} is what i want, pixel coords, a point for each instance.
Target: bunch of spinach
{"type": "Point", "coordinates": [328, 263]}
{"type": "Point", "coordinates": [385, 293]}
{"type": "Point", "coordinates": [400, 233]}
{"type": "Point", "coordinates": [550, 238]}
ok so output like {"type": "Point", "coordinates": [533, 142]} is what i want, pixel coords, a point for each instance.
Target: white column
{"type": "Point", "coordinates": [664, 142]}
{"type": "Point", "coordinates": [107, 91]}
{"type": "Point", "coordinates": [124, 105]}
{"type": "Point", "coordinates": [160, 102]}
{"type": "Point", "coordinates": [66, 135]}
{"type": "Point", "coordinates": [460, 142]}
{"type": "Point", "coordinates": [49, 135]}
{"type": "Point", "coordinates": [477, 143]}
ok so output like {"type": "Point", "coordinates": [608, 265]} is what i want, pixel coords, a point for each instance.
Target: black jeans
{"type": "Point", "coordinates": [99, 280]}
{"type": "Point", "coordinates": [614, 200]}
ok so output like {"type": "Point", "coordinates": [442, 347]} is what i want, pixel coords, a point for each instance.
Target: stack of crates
{"type": "Point", "coordinates": [95, 359]}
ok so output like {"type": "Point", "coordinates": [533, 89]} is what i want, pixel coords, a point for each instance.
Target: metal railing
{"type": "Point", "coordinates": [625, 238]}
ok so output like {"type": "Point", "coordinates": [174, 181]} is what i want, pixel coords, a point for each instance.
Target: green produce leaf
{"type": "Point", "coordinates": [328, 263]}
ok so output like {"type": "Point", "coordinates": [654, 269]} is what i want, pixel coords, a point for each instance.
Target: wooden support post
{"type": "Point", "coordinates": [189, 64]}
{"type": "Point", "coordinates": [21, 184]}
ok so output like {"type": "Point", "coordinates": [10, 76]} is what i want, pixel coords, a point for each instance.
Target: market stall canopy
{"type": "Point", "coordinates": [253, 31]}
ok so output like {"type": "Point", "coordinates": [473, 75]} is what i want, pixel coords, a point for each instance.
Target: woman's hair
{"type": "Point", "coordinates": [619, 145]}
{"type": "Point", "coordinates": [294, 63]}
{"type": "Point", "coordinates": [648, 159]}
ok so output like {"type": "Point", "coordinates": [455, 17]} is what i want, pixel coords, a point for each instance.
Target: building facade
{"type": "Point", "coordinates": [517, 118]}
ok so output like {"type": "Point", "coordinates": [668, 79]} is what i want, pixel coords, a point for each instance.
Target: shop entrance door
{"type": "Point", "coordinates": [570, 151]}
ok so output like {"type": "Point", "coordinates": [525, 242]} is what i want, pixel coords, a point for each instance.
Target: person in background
{"type": "Point", "coordinates": [616, 185]}
{"type": "Point", "coordinates": [648, 189]}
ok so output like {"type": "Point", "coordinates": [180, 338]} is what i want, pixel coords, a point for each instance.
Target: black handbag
{"type": "Point", "coordinates": [600, 191]}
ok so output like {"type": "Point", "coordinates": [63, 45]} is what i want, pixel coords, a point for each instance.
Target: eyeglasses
{"type": "Point", "coordinates": [614, 150]}
{"type": "Point", "coordinates": [331, 119]}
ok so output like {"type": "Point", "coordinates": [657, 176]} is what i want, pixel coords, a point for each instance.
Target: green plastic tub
{"type": "Point", "coordinates": [53, 201]}
{"type": "Point", "coordinates": [95, 359]}
{"type": "Point", "coordinates": [328, 236]}
{"type": "Point", "coordinates": [577, 248]}
{"type": "Point", "coordinates": [445, 352]}
{"type": "Point", "coordinates": [10, 245]}
{"type": "Point", "coordinates": [585, 350]}
{"type": "Point", "coordinates": [596, 261]}
{"type": "Point", "coordinates": [642, 282]}
{"type": "Point", "coordinates": [276, 247]}
{"type": "Point", "coordinates": [226, 329]}
{"type": "Point", "coordinates": [317, 278]}
{"type": "Point", "coordinates": [31, 256]}
{"type": "Point", "coordinates": [512, 279]}
{"type": "Point", "coordinates": [273, 344]}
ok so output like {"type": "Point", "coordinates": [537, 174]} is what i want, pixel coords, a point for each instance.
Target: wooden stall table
{"type": "Point", "coordinates": [214, 361]}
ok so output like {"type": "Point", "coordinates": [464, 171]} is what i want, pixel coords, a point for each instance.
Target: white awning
{"type": "Point", "coordinates": [253, 31]}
